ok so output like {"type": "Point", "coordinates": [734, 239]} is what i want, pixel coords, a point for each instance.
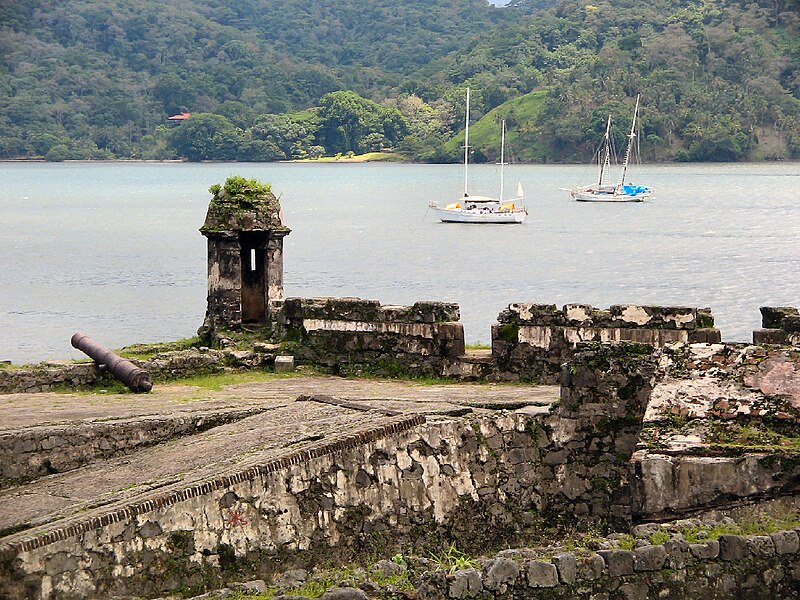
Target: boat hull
{"type": "Point", "coordinates": [448, 215]}
{"type": "Point", "coordinates": [593, 196]}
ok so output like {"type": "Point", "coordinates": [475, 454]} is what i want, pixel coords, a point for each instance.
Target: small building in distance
{"type": "Point", "coordinates": [179, 118]}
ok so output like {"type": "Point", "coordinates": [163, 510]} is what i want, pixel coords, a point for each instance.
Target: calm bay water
{"type": "Point", "coordinates": [114, 249]}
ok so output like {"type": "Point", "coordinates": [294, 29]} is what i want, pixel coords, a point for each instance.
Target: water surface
{"type": "Point", "coordinates": [113, 249]}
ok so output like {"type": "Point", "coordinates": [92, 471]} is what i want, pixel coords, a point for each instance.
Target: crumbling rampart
{"type": "Point", "coordinates": [412, 482]}
{"type": "Point", "coordinates": [532, 341]}
{"type": "Point", "coordinates": [352, 336]}
{"type": "Point", "coordinates": [762, 567]}
{"type": "Point", "coordinates": [779, 325]}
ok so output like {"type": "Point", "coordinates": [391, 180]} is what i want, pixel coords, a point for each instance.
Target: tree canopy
{"type": "Point", "coordinates": [84, 79]}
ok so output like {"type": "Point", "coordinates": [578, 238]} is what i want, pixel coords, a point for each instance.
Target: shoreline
{"type": "Point", "coordinates": [362, 158]}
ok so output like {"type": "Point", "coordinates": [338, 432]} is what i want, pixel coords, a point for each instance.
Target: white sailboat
{"type": "Point", "coordinates": [602, 191]}
{"type": "Point", "coordinates": [483, 209]}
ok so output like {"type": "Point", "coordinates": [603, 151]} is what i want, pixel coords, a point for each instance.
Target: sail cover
{"type": "Point", "coordinates": [634, 190]}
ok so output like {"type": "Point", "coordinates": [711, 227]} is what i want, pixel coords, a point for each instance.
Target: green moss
{"type": "Point", "coordinates": [146, 351]}
{"type": "Point", "coordinates": [508, 332]}
{"type": "Point", "coordinates": [217, 381]}
{"type": "Point", "coordinates": [660, 537]}
{"type": "Point", "coordinates": [242, 190]}
{"type": "Point", "coordinates": [478, 346]}
{"type": "Point", "coordinates": [756, 524]}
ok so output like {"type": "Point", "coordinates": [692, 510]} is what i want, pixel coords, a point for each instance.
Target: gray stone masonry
{"type": "Point", "coordinates": [163, 366]}
{"type": "Point", "coordinates": [760, 572]}
{"type": "Point", "coordinates": [245, 230]}
{"type": "Point", "coordinates": [354, 336]}
{"type": "Point", "coordinates": [604, 395]}
{"type": "Point", "coordinates": [476, 481]}
{"type": "Point", "coordinates": [531, 341]}
{"type": "Point", "coordinates": [779, 325]}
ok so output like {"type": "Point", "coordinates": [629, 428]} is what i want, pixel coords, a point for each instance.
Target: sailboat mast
{"type": "Point", "coordinates": [605, 161]}
{"type": "Point", "coordinates": [502, 155]}
{"type": "Point", "coordinates": [466, 145]}
{"type": "Point", "coordinates": [631, 135]}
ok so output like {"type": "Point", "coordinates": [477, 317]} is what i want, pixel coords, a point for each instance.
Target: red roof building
{"type": "Point", "coordinates": [179, 117]}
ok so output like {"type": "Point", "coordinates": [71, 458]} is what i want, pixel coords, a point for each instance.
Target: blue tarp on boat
{"type": "Point", "coordinates": [634, 190]}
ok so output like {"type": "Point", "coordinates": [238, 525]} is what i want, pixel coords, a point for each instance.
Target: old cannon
{"type": "Point", "coordinates": [136, 378]}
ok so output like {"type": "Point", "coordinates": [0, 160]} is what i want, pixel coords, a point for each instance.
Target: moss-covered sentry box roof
{"type": "Point", "coordinates": [243, 205]}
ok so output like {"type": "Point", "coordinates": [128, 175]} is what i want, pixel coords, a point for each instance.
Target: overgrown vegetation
{"type": "Point", "coordinates": [399, 584]}
{"type": "Point", "coordinates": [719, 79]}
{"type": "Point", "coordinates": [146, 351]}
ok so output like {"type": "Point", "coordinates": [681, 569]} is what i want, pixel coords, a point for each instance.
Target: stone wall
{"type": "Point", "coordinates": [354, 336]}
{"type": "Point", "coordinates": [667, 487]}
{"type": "Point", "coordinates": [164, 366]}
{"type": "Point", "coordinates": [532, 341]}
{"type": "Point", "coordinates": [761, 567]}
{"type": "Point", "coordinates": [409, 484]}
{"type": "Point", "coordinates": [595, 429]}
{"type": "Point", "coordinates": [35, 452]}
{"type": "Point", "coordinates": [779, 325]}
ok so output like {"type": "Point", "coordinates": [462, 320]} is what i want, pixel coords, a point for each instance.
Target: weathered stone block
{"type": "Point", "coordinates": [786, 542]}
{"type": "Point", "coordinates": [387, 568]}
{"type": "Point", "coordinates": [432, 586]}
{"type": "Point", "coordinates": [649, 558]}
{"type": "Point", "coordinates": [772, 316]}
{"type": "Point", "coordinates": [760, 545]}
{"type": "Point", "coordinates": [466, 583]}
{"type": "Point", "coordinates": [346, 593]}
{"type": "Point", "coordinates": [619, 562]}
{"type": "Point", "coordinates": [541, 574]}
{"type": "Point", "coordinates": [532, 314]}
{"type": "Point", "coordinates": [791, 324]}
{"type": "Point", "coordinates": [770, 336]}
{"type": "Point", "coordinates": [677, 553]}
{"type": "Point", "coordinates": [501, 573]}
{"type": "Point", "coordinates": [150, 530]}
{"type": "Point", "coordinates": [654, 317]}
{"type": "Point", "coordinates": [256, 586]}
{"type": "Point", "coordinates": [707, 550]}
{"type": "Point", "coordinates": [578, 314]}
{"type": "Point", "coordinates": [705, 320]}
{"type": "Point", "coordinates": [284, 364]}
{"type": "Point", "coordinates": [590, 567]}
{"type": "Point", "coordinates": [60, 562]}
{"type": "Point", "coordinates": [733, 547]}
{"type": "Point", "coordinates": [435, 312]}
{"type": "Point", "coordinates": [567, 567]}
{"type": "Point", "coordinates": [291, 578]}
{"type": "Point", "coordinates": [706, 335]}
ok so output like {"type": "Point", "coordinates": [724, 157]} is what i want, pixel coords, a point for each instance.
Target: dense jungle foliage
{"type": "Point", "coordinates": [282, 79]}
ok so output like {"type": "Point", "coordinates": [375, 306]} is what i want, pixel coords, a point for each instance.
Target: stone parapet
{"type": "Point", "coordinates": [735, 566]}
{"type": "Point", "coordinates": [630, 316]}
{"type": "Point", "coordinates": [294, 310]}
{"type": "Point", "coordinates": [666, 487]}
{"type": "Point", "coordinates": [351, 335]}
{"type": "Point", "coordinates": [779, 325]}
{"type": "Point", "coordinates": [532, 341]}
{"type": "Point", "coordinates": [164, 366]}
{"type": "Point", "coordinates": [34, 452]}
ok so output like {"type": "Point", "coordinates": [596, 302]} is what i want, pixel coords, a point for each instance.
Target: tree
{"type": "Point", "coordinates": [287, 136]}
{"type": "Point", "coordinates": [346, 119]}
{"type": "Point", "coordinates": [206, 136]}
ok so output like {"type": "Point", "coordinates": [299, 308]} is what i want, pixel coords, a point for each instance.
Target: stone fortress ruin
{"type": "Point", "coordinates": [634, 422]}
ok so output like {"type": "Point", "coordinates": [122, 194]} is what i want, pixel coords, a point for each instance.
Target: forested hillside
{"type": "Point", "coordinates": [277, 79]}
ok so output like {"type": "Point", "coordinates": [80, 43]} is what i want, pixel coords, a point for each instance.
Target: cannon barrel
{"type": "Point", "coordinates": [136, 378]}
